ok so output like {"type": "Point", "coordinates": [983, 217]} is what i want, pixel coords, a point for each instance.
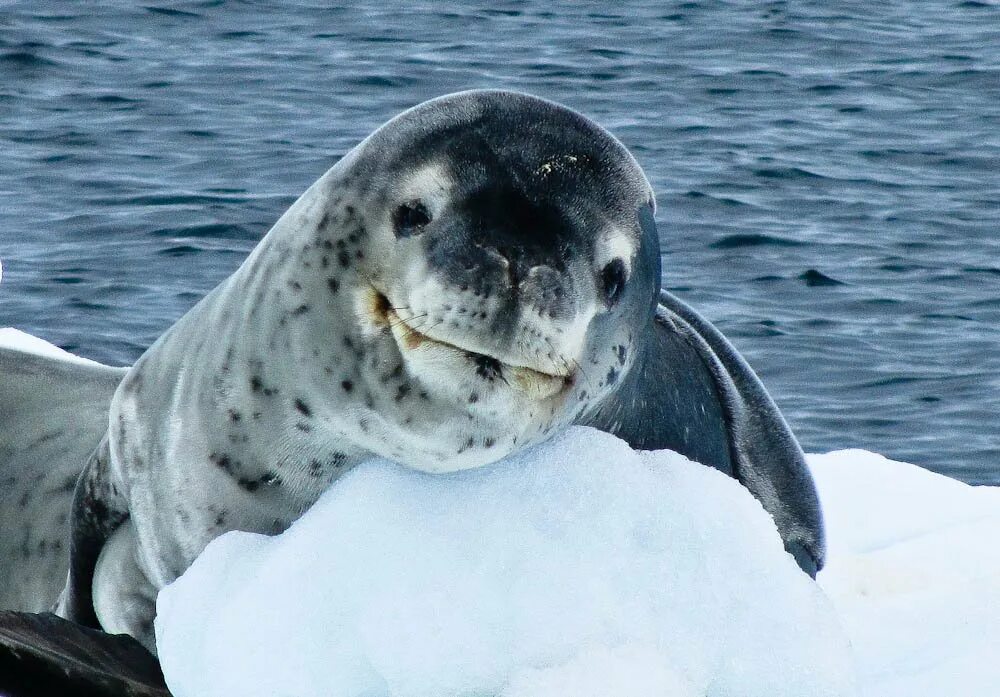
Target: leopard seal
{"type": "Point", "coordinates": [480, 272]}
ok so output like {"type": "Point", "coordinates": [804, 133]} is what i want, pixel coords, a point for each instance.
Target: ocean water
{"type": "Point", "coordinates": [828, 173]}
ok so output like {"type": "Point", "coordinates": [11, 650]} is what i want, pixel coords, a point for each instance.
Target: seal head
{"type": "Point", "coordinates": [502, 259]}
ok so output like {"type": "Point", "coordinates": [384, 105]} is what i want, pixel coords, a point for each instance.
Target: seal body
{"type": "Point", "coordinates": [480, 272]}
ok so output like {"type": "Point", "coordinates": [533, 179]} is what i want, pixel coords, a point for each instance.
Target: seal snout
{"type": "Point", "coordinates": [509, 246]}
{"type": "Point", "coordinates": [526, 240]}
{"type": "Point", "coordinates": [462, 353]}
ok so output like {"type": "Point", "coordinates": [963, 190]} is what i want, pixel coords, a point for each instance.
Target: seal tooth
{"type": "Point", "coordinates": [538, 385]}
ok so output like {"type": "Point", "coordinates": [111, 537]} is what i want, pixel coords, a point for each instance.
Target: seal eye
{"type": "Point", "coordinates": [613, 281]}
{"type": "Point", "coordinates": [410, 219]}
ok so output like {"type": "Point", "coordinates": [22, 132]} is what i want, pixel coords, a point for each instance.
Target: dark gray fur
{"type": "Point", "coordinates": [692, 392]}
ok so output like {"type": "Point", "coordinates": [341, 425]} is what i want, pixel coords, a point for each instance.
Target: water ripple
{"type": "Point", "coordinates": [827, 176]}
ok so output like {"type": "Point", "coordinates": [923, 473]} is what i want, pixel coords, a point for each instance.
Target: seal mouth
{"type": "Point", "coordinates": [538, 384]}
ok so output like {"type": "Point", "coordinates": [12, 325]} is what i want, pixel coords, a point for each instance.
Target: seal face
{"type": "Point", "coordinates": [508, 266]}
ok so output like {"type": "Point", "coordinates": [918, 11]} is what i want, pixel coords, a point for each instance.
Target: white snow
{"type": "Point", "coordinates": [914, 572]}
{"type": "Point", "coordinates": [579, 568]}
{"type": "Point", "coordinates": [11, 338]}
{"type": "Point", "coordinates": [584, 568]}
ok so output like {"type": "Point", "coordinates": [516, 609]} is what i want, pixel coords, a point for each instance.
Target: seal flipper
{"type": "Point", "coordinates": [693, 393]}
{"type": "Point", "coordinates": [53, 413]}
{"type": "Point", "coordinates": [98, 510]}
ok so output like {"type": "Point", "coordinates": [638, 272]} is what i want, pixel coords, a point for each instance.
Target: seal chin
{"type": "Point", "coordinates": [531, 382]}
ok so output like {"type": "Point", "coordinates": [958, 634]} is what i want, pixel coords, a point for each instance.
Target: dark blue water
{"type": "Point", "coordinates": [828, 172]}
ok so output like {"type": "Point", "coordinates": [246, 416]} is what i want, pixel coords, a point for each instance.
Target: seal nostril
{"type": "Point", "coordinates": [410, 219]}
{"type": "Point", "coordinates": [513, 264]}
{"type": "Point", "coordinates": [613, 281]}
{"type": "Point", "coordinates": [488, 368]}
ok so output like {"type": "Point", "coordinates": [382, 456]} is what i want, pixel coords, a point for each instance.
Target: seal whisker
{"type": "Point", "coordinates": [425, 328]}
{"type": "Point", "coordinates": [406, 322]}
{"type": "Point", "coordinates": [566, 362]}
{"type": "Point", "coordinates": [583, 372]}
{"type": "Point", "coordinates": [412, 327]}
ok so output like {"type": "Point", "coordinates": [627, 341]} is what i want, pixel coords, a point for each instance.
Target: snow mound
{"type": "Point", "coordinates": [914, 572]}
{"type": "Point", "coordinates": [11, 338]}
{"type": "Point", "coordinates": [580, 567]}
